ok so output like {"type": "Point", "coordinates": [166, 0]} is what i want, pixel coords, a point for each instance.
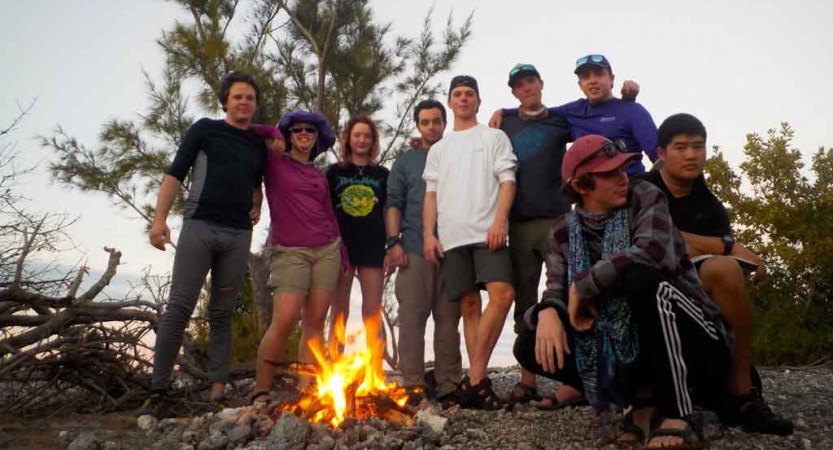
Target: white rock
{"type": "Point", "coordinates": [147, 423]}
{"type": "Point", "coordinates": [433, 421]}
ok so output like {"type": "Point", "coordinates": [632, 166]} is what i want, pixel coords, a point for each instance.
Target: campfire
{"type": "Point", "coordinates": [351, 386]}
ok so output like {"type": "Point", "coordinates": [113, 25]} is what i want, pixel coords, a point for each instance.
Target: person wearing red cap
{"type": "Point", "coordinates": [624, 316]}
{"type": "Point", "coordinates": [470, 183]}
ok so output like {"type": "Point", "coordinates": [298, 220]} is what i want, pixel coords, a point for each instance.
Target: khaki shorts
{"type": "Point", "coordinates": [304, 269]}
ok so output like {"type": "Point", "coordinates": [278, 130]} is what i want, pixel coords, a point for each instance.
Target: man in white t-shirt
{"type": "Point", "coordinates": [470, 185]}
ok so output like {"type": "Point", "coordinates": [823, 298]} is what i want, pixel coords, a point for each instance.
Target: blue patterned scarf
{"type": "Point", "coordinates": [604, 353]}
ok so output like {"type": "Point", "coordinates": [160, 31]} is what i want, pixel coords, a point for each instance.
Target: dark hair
{"type": "Point", "coordinates": [237, 76]}
{"type": "Point", "coordinates": [345, 153]}
{"type": "Point", "coordinates": [429, 104]}
{"type": "Point", "coordinates": [585, 181]}
{"type": "Point", "coordinates": [679, 124]}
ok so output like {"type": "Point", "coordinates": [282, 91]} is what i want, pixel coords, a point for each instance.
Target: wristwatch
{"type": "Point", "coordinates": [393, 240]}
{"type": "Point", "coordinates": [728, 243]}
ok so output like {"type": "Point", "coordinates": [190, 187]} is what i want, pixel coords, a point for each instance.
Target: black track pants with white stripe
{"type": "Point", "coordinates": [683, 359]}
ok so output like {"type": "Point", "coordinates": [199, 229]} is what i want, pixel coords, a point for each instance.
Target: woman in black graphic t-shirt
{"type": "Point", "coordinates": [358, 188]}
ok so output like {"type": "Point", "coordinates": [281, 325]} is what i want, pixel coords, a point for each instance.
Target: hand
{"type": "Point", "coordinates": [278, 145]}
{"type": "Point", "coordinates": [433, 250]}
{"type": "Point", "coordinates": [743, 252]}
{"type": "Point", "coordinates": [496, 236]}
{"type": "Point", "coordinates": [581, 316]}
{"type": "Point", "coordinates": [395, 258]}
{"type": "Point", "coordinates": [159, 235]}
{"type": "Point", "coordinates": [496, 119]}
{"type": "Point", "coordinates": [550, 341]}
{"type": "Point", "coordinates": [415, 142]}
{"type": "Point", "coordinates": [254, 215]}
{"type": "Point", "coordinates": [630, 89]}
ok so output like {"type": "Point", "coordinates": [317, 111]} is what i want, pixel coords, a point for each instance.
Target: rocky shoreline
{"type": "Point", "coordinates": [804, 394]}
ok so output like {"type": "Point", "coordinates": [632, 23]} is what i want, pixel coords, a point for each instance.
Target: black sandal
{"type": "Point", "coordinates": [482, 396]}
{"type": "Point", "coordinates": [528, 393]}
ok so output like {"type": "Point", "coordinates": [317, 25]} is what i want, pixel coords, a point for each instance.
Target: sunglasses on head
{"type": "Point", "coordinates": [525, 67]}
{"type": "Point", "coordinates": [610, 149]}
{"type": "Point", "coordinates": [310, 130]}
{"type": "Point", "coordinates": [590, 58]}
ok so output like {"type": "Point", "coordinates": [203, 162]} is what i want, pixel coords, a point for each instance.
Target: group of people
{"type": "Point", "coordinates": [645, 307]}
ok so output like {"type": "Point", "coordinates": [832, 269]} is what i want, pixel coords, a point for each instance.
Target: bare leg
{"type": "Point", "coordinates": [724, 281]}
{"type": "Point", "coordinates": [315, 315]}
{"type": "Point", "coordinates": [286, 306]}
{"type": "Point", "coordinates": [470, 310]}
{"type": "Point", "coordinates": [372, 281]}
{"type": "Point", "coordinates": [489, 327]}
{"type": "Point", "coordinates": [340, 312]}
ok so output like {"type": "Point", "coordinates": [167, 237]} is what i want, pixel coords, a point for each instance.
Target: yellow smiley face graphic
{"type": "Point", "coordinates": [358, 200]}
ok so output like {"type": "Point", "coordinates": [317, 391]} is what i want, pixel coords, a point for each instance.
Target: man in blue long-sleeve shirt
{"type": "Point", "coordinates": [603, 114]}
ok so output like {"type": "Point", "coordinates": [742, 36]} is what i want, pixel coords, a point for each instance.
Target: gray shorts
{"type": "Point", "coordinates": [470, 267]}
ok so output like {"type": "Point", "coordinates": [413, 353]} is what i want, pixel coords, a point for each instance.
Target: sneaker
{"type": "Point", "coordinates": [154, 405]}
{"type": "Point", "coordinates": [751, 412]}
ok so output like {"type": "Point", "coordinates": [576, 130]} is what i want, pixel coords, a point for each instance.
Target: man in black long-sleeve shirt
{"type": "Point", "coordinates": [226, 163]}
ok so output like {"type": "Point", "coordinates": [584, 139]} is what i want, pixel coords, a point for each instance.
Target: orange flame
{"type": "Point", "coordinates": [351, 385]}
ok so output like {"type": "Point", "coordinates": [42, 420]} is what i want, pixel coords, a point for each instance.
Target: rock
{"type": "Point", "coordinates": [263, 426]}
{"type": "Point", "coordinates": [190, 437]}
{"type": "Point", "coordinates": [166, 425]}
{"type": "Point", "coordinates": [213, 443]}
{"type": "Point", "coordinates": [231, 415]}
{"type": "Point", "coordinates": [197, 424]}
{"type": "Point", "coordinates": [85, 441]}
{"type": "Point", "coordinates": [431, 420]}
{"type": "Point", "coordinates": [256, 445]}
{"type": "Point", "coordinates": [170, 441]}
{"type": "Point", "coordinates": [247, 418]}
{"type": "Point", "coordinates": [147, 423]}
{"type": "Point", "coordinates": [327, 443]}
{"type": "Point", "coordinates": [390, 443]}
{"type": "Point", "coordinates": [240, 434]}
{"type": "Point", "coordinates": [289, 433]}
{"type": "Point", "coordinates": [475, 434]}
{"type": "Point", "coordinates": [65, 438]}
{"type": "Point", "coordinates": [807, 444]}
{"type": "Point", "coordinates": [367, 432]}
{"type": "Point", "coordinates": [187, 447]}
{"type": "Point", "coordinates": [110, 445]}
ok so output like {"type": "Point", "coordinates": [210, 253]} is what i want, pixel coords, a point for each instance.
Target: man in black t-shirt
{"type": "Point", "coordinates": [539, 142]}
{"type": "Point", "coordinates": [225, 163]}
{"type": "Point", "coordinates": [704, 223]}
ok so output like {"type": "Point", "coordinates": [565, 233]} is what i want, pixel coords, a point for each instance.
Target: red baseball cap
{"type": "Point", "coordinates": [586, 156]}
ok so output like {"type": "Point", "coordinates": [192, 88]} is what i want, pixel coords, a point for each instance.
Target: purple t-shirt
{"type": "Point", "coordinates": [613, 119]}
{"type": "Point", "coordinates": [299, 203]}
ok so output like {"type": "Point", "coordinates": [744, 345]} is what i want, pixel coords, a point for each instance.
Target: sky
{"type": "Point", "coordinates": [740, 66]}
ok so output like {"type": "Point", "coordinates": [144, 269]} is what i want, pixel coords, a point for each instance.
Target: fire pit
{"type": "Point", "coordinates": [351, 386]}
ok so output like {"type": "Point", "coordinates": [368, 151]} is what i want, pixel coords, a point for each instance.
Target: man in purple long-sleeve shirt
{"type": "Point", "coordinates": [603, 114]}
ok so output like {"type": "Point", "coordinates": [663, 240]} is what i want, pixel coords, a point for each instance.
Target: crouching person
{"type": "Point", "coordinates": [624, 317]}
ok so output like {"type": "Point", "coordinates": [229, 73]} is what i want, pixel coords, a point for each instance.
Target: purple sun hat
{"type": "Point", "coordinates": [326, 135]}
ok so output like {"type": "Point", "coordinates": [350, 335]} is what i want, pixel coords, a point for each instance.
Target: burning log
{"type": "Point", "coordinates": [351, 386]}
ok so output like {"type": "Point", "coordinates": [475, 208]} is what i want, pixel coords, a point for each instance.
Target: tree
{"type": "Point", "coordinates": [784, 217]}
{"type": "Point", "coordinates": [328, 55]}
